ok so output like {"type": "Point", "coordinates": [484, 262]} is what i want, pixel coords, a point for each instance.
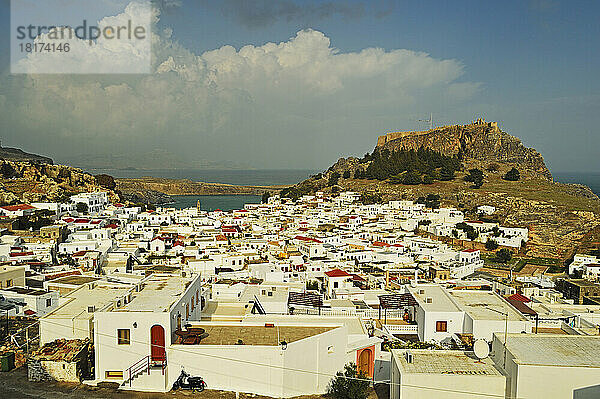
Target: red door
{"type": "Point", "coordinates": [157, 340]}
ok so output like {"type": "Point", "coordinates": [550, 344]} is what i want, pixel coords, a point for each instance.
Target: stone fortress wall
{"type": "Point", "coordinates": [386, 138]}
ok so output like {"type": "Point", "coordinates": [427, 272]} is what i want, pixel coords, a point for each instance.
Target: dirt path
{"type": "Point", "coordinates": [14, 385]}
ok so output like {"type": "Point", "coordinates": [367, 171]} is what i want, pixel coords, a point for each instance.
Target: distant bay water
{"type": "Point", "coordinates": [250, 177]}
{"type": "Point", "coordinates": [592, 180]}
{"type": "Point", "coordinates": [257, 177]}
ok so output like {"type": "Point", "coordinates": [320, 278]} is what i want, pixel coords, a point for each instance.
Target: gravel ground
{"type": "Point", "coordinates": [14, 385]}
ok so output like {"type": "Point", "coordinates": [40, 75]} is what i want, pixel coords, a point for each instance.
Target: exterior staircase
{"type": "Point", "coordinates": [144, 375]}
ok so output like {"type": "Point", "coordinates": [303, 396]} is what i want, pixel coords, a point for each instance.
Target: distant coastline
{"type": "Point", "coordinates": [238, 177]}
{"type": "Point", "coordinates": [592, 180]}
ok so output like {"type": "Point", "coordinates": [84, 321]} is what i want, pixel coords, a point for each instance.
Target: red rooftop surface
{"type": "Point", "coordinates": [307, 239]}
{"type": "Point", "coordinates": [337, 273]}
{"type": "Point", "coordinates": [19, 207]}
{"type": "Point", "coordinates": [519, 297]}
{"type": "Point", "coordinates": [380, 244]}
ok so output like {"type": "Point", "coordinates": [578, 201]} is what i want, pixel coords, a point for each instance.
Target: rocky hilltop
{"type": "Point", "coordinates": [32, 181]}
{"type": "Point", "coordinates": [16, 154]}
{"type": "Point", "coordinates": [476, 142]}
{"type": "Point", "coordinates": [559, 216]}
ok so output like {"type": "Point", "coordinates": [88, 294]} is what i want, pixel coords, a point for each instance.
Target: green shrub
{"type": "Point", "coordinates": [349, 384]}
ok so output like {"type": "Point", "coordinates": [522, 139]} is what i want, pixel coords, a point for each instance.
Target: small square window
{"type": "Point", "coordinates": [441, 326]}
{"type": "Point", "coordinates": [123, 336]}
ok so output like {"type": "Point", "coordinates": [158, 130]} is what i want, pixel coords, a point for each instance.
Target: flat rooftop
{"type": "Point", "coordinates": [225, 309]}
{"type": "Point", "coordinates": [444, 362]}
{"type": "Point", "coordinates": [81, 298]}
{"type": "Point", "coordinates": [555, 350]}
{"type": "Point", "coordinates": [485, 305]}
{"type": "Point", "coordinates": [159, 293]}
{"type": "Point", "coordinates": [440, 300]}
{"type": "Point", "coordinates": [25, 291]}
{"type": "Point", "coordinates": [257, 335]}
{"type": "Point", "coordinates": [74, 280]}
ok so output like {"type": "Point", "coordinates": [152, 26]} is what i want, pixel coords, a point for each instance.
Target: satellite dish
{"type": "Point", "coordinates": [481, 349]}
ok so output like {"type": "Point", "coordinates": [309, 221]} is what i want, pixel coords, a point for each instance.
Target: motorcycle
{"type": "Point", "coordinates": [185, 381]}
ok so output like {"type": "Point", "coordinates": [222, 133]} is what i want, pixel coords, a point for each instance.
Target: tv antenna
{"type": "Point", "coordinates": [430, 120]}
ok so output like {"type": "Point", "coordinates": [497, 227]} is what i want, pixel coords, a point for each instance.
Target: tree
{"type": "Point", "coordinates": [265, 197]}
{"type": "Point", "coordinates": [503, 255]}
{"type": "Point", "coordinates": [106, 181]}
{"type": "Point", "coordinates": [346, 174]}
{"type": "Point", "coordinates": [81, 207]}
{"type": "Point", "coordinates": [431, 201]}
{"type": "Point", "coordinates": [472, 234]}
{"type": "Point", "coordinates": [7, 171]}
{"type": "Point", "coordinates": [333, 179]}
{"type": "Point", "coordinates": [475, 176]}
{"type": "Point", "coordinates": [493, 167]}
{"type": "Point", "coordinates": [446, 173]}
{"type": "Point", "coordinates": [349, 384]}
{"type": "Point", "coordinates": [411, 178]}
{"type": "Point", "coordinates": [491, 245]}
{"type": "Point", "coordinates": [312, 285]}
{"type": "Point", "coordinates": [428, 179]}
{"type": "Point", "coordinates": [512, 175]}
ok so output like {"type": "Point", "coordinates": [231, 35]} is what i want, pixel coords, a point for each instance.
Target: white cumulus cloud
{"type": "Point", "coordinates": [297, 103]}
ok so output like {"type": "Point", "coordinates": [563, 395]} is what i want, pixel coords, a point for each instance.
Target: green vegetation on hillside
{"type": "Point", "coordinates": [411, 167]}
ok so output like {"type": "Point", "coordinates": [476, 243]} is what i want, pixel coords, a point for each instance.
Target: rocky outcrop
{"type": "Point", "coordinates": [558, 215]}
{"type": "Point", "coordinates": [27, 181]}
{"type": "Point", "coordinates": [16, 154]}
{"type": "Point", "coordinates": [146, 197]}
{"type": "Point", "coordinates": [477, 141]}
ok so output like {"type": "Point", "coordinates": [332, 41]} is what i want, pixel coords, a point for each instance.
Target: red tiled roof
{"type": "Point", "coordinates": [21, 253]}
{"type": "Point", "coordinates": [470, 250]}
{"type": "Point", "coordinates": [82, 220]}
{"type": "Point", "coordinates": [307, 239]}
{"type": "Point", "coordinates": [519, 297]}
{"type": "Point", "coordinates": [29, 312]}
{"type": "Point", "coordinates": [112, 226]}
{"type": "Point", "coordinates": [521, 307]}
{"type": "Point", "coordinates": [380, 244]}
{"type": "Point", "coordinates": [19, 207]}
{"type": "Point", "coordinates": [337, 273]}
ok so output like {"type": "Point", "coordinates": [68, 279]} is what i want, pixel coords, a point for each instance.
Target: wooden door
{"type": "Point", "coordinates": [157, 340]}
{"type": "Point", "coordinates": [364, 362]}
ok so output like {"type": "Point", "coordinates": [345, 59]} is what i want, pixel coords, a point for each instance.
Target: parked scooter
{"type": "Point", "coordinates": [185, 381]}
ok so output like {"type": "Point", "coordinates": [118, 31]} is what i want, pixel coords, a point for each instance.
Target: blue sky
{"type": "Point", "coordinates": [534, 65]}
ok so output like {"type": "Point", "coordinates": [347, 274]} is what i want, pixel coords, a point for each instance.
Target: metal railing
{"type": "Point", "coordinates": [138, 368]}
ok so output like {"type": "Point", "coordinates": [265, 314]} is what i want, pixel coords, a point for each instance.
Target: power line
{"type": "Point", "coordinates": [388, 382]}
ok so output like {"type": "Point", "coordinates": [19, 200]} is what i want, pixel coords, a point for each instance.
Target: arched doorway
{"type": "Point", "coordinates": [157, 344]}
{"type": "Point", "coordinates": [365, 361]}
